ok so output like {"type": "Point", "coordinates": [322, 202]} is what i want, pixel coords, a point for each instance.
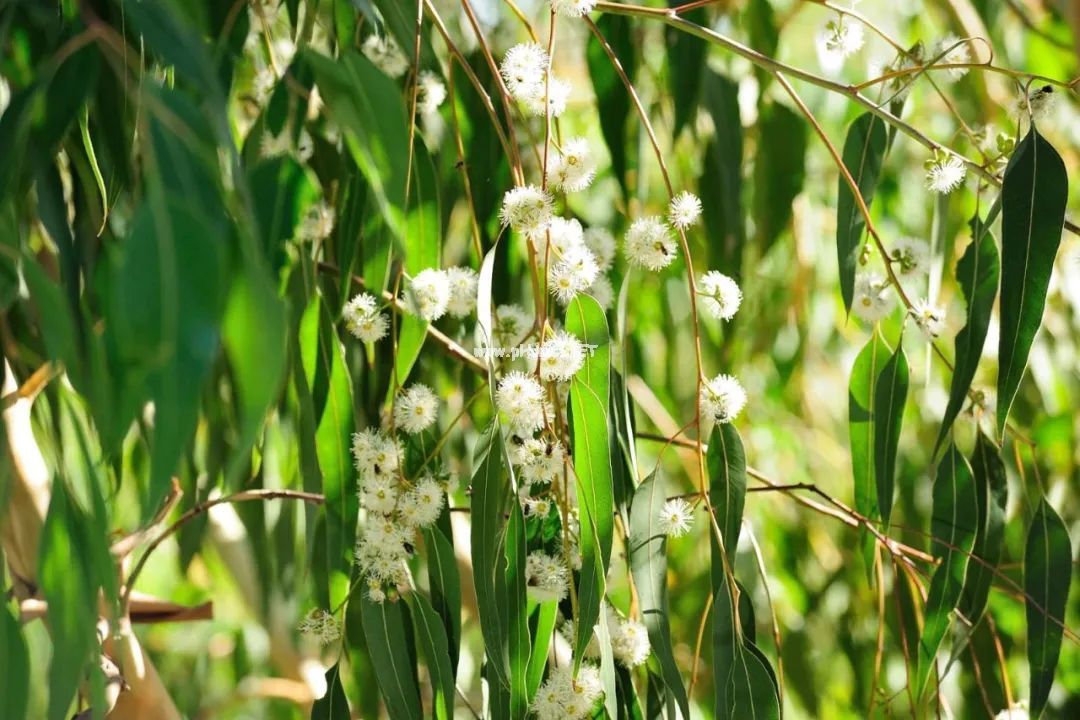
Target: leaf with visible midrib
{"type": "Point", "coordinates": [388, 643]}
{"type": "Point", "coordinates": [432, 635]}
{"type": "Point", "coordinates": [648, 565]}
{"type": "Point", "coordinates": [726, 462]}
{"type": "Point", "coordinates": [952, 528]}
{"type": "Point", "coordinates": [977, 273]}
{"type": "Point", "coordinates": [1033, 198]}
{"type": "Point", "coordinates": [890, 395]}
{"type": "Point", "coordinates": [861, 391]}
{"type": "Point", "coordinates": [1047, 571]}
{"type": "Point", "coordinates": [611, 97]}
{"type": "Point", "coordinates": [992, 490]}
{"type": "Point", "coordinates": [864, 152]}
{"type": "Point", "coordinates": [332, 705]}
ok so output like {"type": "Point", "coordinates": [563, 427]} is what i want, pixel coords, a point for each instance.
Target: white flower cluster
{"type": "Point", "coordinates": [416, 409]}
{"type": "Point", "coordinates": [929, 317]}
{"type": "Point", "coordinates": [363, 319]}
{"type": "Point", "coordinates": [510, 326]}
{"type": "Point", "coordinates": [720, 294]}
{"type": "Point", "coordinates": [318, 223]}
{"type": "Point", "coordinates": [525, 71]}
{"type": "Point", "coordinates": [320, 625]}
{"type": "Point", "coordinates": [434, 293]}
{"type": "Point", "coordinates": [573, 268]}
{"type": "Point", "coordinates": [572, 169]}
{"type": "Point", "coordinates": [648, 244]}
{"type": "Point", "coordinates": [722, 398]}
{"type": "Point", "coordinates": [1016, 711]}
{"type": "Point", "coordinates": [910, 257]}
{"type": "Point", "coordinates": [520, 398]}
{"type": "Point", "coordinates": [527, 209]}
{"type": "Point", "coordinates": [564, 697]}
{"type": "Point", "coordinates": [953, 51]}
{"type": "Point", "coordinates": [430, 92]}
{"type": "Point", "coordinates": [842, 38]}
{"type": "Point", "coordinates": [546, 577]}
{"type": "Point", "coordinates": [385, 54]}
{"type": "Point", "coordinates": [573, 8]}
{"type": "Point", "coordinates": [629, 639]}
{"type": "Point", "coordinates": [395, 508]}
{"type": "Point", "coordinates": [676, 517]}
{"type": "Point", "coordinates": [539, 463]}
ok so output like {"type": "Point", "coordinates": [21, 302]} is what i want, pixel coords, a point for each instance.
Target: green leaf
{"type": "Point", "coordinates": [592, 462]}
{"type": "Point", "coordinates": [510, 587]}
{"type": "Point", "coordinates": [1033, 197]}
{"type": "Point", "coordinates": [648, 566]}
{"type": "Point", "coordinates": [612, 99]}
{"type": "Point", "coordinates": [760, 25]}
{"type": "Point", "coordinates": [369, 108]}
{"type": "Point", "coordinates": [400, 19]}
{"type": "Point", "coordinates": [388, 643]}
{"type": "Point", "coordinates": [861, 421]}
{"type": "Point", "coordinates": [1047, 571]}
{"type": "Point", "coordinates": [890, 396]}
{"type": "Point", "coordinates": [726, 461]}
{"type": "Point", "coordinates": [445, 583]}
{"type": "Point", "coordinates": [14, 666]}
{"type": "Point", "coordinates": [546, 614]}
{"type": "Point", "coordinates": [332, 705]}
{"type": "Point", "coordinates": [992, 491]}
{"type": "Point", "coordinates": [778, 170]}
{"type": "Point", "coordinates": [721, 181]}
{"type": "Point", "coordinates": [281, 193]}
{"type": "Point", "coordinates": [952, 529]}
{"type": "Point", "coordinates": [977, 272]}
{"type": "Point", "coordinates": [864, 153]}
{"type": "Point", "coordinates": [686, 63]}
{"type": "Point", "coordinates": [751, 687]}
{"type": "Point", "coordinates": [436, 651]}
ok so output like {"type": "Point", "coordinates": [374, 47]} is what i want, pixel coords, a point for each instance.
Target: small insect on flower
{"type": "Point", "coordinates": [463, 283]}
{"type": "Point", "coordinates": [561, 356]}
{"type": "Point", "coordinates": [385, 54]}
{"type": "Point", "coordinates": [953, 51]}
{"type": "Point", "coordinates": [929, 317]}
{"type": "Point", "coordinates": [527, 210]}
{"type": "Point", "coordinates": [572, 170]}
{"type": "Point", "coordinates": [546, 577]}
{"type": "Point", "coordinates": [649, 244]}
{"type": "Point", "coordinates": [872, 300]}
{"type": "Point", "coordinates": [720, 294]}
{"type": "Point", "coordinates": [429, 294]}
{"type": "Point", "coordinates": [676, 517]}
{"type": "Point", "coordinates": [363, 319]}
{"type": "Point", "coordinates": [684, 210]}
{"type": "Point", "coordinates": [842, 38]}
{"type": "Point", "coordinates": [521, 398]}
{"type": "Point", "coordinates": [945, 173]}
{"type": "Point", "coordinates": [416, 409]}
{"type": "Point", "coordinates": [321, 625]}
{"type": "Point", "coordinates": [430, 92]}
{"type": "Point", "coordinates": [573, 8]}
{"type": "Point", "coordinates": [375, 454]}
{"type": "Point", "coordinates": [722, 398]}
{"type": "Point", "coordinates": [910, 256]}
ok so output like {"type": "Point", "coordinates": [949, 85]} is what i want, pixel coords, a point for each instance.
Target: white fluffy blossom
{"type": "Point", "coordinates": [379, 494]}
{"type": "Point", "coordinates": [562, 697]}
{"type": "Point", "coordinates": [676, 517]}
{"type": "Point", "coordinates": [629, 640]}
{"type": "Point", "coordinates": [842, 38]}
{"type": "Point", "coordinates": [363, 319]}
{"type": "Point", "coordinates": [416, 409]}
{"type": "Point", "coordinates": [321, 625]}
{"type": "Point", "coordinates": [527, 210]}
{"type": "Point", "coordinates": [1039, 102]}
{"type": "Point", "coordinates": [564, 234]}
{"type": "Point", "coordinates": [430, 92]}
{"type": "Point", "coordinates": [318, 223]}
{"type": "Point", "coordinates": [602, 291]}
{"type": "Point", "coordinates": [561, 356]}
{"type": "Point", "coordinates": [720, 294]}
{"type": "Point", "coordinates": [385, 54]}
{"type": "Point", "coordinates": [602, 243]}
{"type": "Point", "coordinates": [722, 398]}
{"type": "Point", "coordinates": [945, 174]}
{"type": "Point", "coordinates": [1016, 711]}
{"type": "Point", "coordinates": [573, 8]}
{"type": "Point", "coordinates": [523, 70]}
{"type": "Point", "coordinates": [573, 273]}
{"type": "Point", "coordinates": [546, 577]}
{"type": "Point", "coordinates": [649, 244]}
{"type": "Point", "coordinates": [521, 399]}
{"type": "Point", "coordinates": [556, 93]}
{"type": "Point", "coordinates": [572, 170]}
{"type": "Point", "coordinates": [463, 283]}
{"type": "Point", "coordinates": [511, 324]}
{"type": "Point", "coordinates": [375, 454]}
{"type": "Point", "coordinates": [953, 51]}
{"type": "Point", "coordinates": [430, 294]}
{"type": "Point", "coordinates": [539, 461]}
{"type": "Point", "coordinates": [424, 503]}
{"type": "Point", "coordinates": [929, 317]}
{"type": "Point", "coordinates": [872, 299]}
{"type": "Point", "coordinates": [684, 211]}
{"type": "Point", "coordinates": [911, 257]}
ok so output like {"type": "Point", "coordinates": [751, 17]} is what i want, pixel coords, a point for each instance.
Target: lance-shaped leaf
{"type": "Point", "coordinates": [510, 587]}
{"type": "Point", "coordinates": [743, 681]}
{"type": "Point", "coordinates": [752, 690]}
{"type": "Point", "coordinates": [432, 640]}
{"type": "Point", "coordinates": [726, 462]}
{"type": "Point", "coordinates": [779, 170]}
{"type": "Point", "coordinates": [648, 565]}
{"type": "Point", "coordinates": [1047, 571]}
{"type": "Point", "coordinates": [686, 62]}
{"type": "Point", "coordinates": [1033, 198]}
{"type": "Point", "coordinates": [388, 643]}
{"type": "Point", "coordinates": [890, 395]}
{"type": "Point", "coordinates": [992, 491]}
{"type": "Point", "coordinates": [952, 529]}
{"type": "Point", "coordinates": [977, 273]}
{"type": "Point", "coordinates": [592, 461]}
{"type": "Point", "coordinates": [546, 614]}
{"type": "Point", "coordinates": [864, 153]}
{"type": "Point", "coordinates": [612, 98]}
{"type": "Point", "coordinates": [861, 421]}
{"type": "Point", "coordinates": [445, 583]}
{"type": "Point", "coordinates": [332, 705]}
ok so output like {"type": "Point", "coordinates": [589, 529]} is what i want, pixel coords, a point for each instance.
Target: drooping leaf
{"type": "Point", "coordinates": [726, 461]}
{"type": "Point", "coordinates": [385, 629]}
{"type": "Point", "coordinates": [890, 396]}
{"type": "Point", "coordinates": [592, 462]}
{"type": "Point", "coordinates": [1047, 572]}
{"type": "Point", "coordinates": [952, 529]}
{"type": "Point", "coordinates": [333, 705]}
{"type": "Point", "coordinates": [861, 421]}
{"type": "Point", "coordinates": [445, 583]}
{"type": "Point", "coordinates": [281, 193]}
{"type": "Point", "coordinates": [977, 273]}
{"type": "Point", "coordinates": [864, 153]}
{"type": "Point", "coordinates": [510, 587]}
{"type": "Point", "coordinates": [648, 566]}
{"type": "Point", "coordinates": [546, 614]}
{"type": "Point", "coordinates": [992, 491]}
{"type": "Point", "coordinates": [752, 690]}
{"type": "Point", "coordinates": [778, 170]}
{"type": "Point", "coordinates": [686, 64]}
{"type": "Point", "coordinates": [721, 181]}
{"type": "Point", "coordinates": [1033, 198]}
{"type": "Point", "coordinates": [14, 666]}
{"type": "Point", "coordinates": [612, 98]}
{"type": "Point", "coordinates": [436, 652]}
